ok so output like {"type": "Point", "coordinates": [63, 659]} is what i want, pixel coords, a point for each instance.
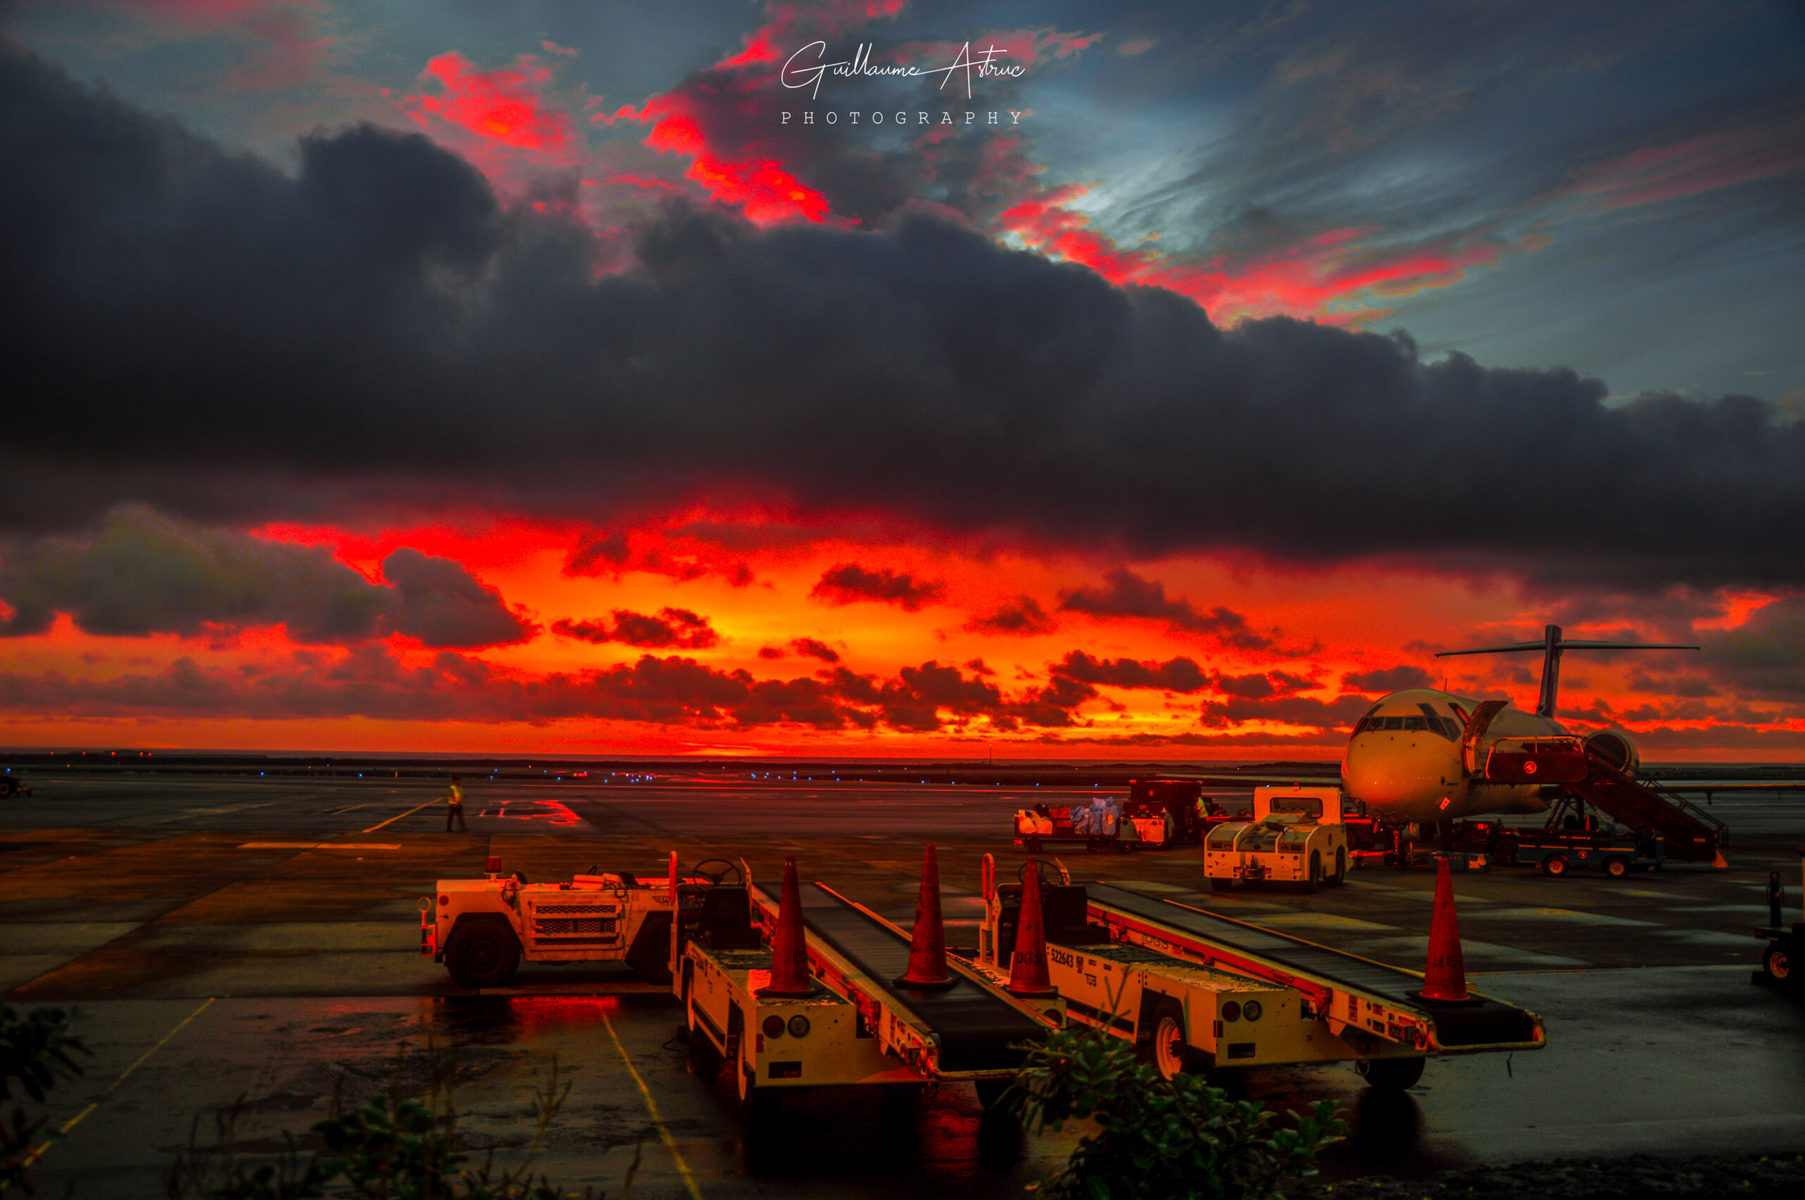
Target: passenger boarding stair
{"type": "Point", "coordinates": [1689, 832]}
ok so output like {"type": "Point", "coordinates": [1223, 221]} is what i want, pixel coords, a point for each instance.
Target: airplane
{"type": "Point", "coordinates": [1423, 756]}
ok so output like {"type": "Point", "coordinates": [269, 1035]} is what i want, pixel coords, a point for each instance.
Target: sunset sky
{"type": "Point", "coordinates": [1152, 381]}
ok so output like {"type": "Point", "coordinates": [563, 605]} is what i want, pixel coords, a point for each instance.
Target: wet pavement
{"type": "Point", "coordinates": [244, 949]}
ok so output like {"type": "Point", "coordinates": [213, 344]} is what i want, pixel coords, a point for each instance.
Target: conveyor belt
{"type": "Point", "coordinates": [1483, 1022]}
{"type": "Point", "coordinates": [974, 1028]}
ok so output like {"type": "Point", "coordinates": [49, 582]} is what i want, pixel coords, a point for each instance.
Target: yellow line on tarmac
{"type": "Point", "coordinates": [410, 812]}
{"type": "Point", "coordinates": [689, 1180]}
{"type": "Point", "coordinates": [72, 1122]}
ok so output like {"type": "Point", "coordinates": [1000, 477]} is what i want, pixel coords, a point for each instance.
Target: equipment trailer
{"type": "Point", "coordinates": [1780, 961]}
{"type": "Point", "coordinates": [848, 1016]}
{"type": "Point", "coordinates": [1200, 991]}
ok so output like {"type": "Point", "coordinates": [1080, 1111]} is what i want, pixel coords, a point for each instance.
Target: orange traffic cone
{"type": "Point", "coordinates": [789, 944]}
{"type": "Point", "coordinates": [927, 944]}
{"type": "Point", "coordinates": [1028, 965]}
{"type": "Point", "coordinates": [673, 877]}
{"type": "Point", "coordinates": [1445, 975]}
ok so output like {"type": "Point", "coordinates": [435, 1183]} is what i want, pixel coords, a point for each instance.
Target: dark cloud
{"type": "Point", "coordinates": [1126, 594]}
{"type": "Point", "coordinates": [1388, 679]}
{"type": "Point", "coordinates": [849, 583]}
{"type": "Point", "coordinates": [1764, 655]}
{"type": "Point", "coordinates": [671, 628]}
{"type": "Point", "coordinates": [444, 606]}
{"type": "Point", "coordinates": [810, 648]}
{"type": "Point", "coordinates": [1174, 675]}
{"type": "Point", "coordinates": [143, 572]}
{"type": "Point", "coordinates": [1020, 617]}
{"type": "Point", "coordinates": [200, 332]}
{"type": "Point", "coordinates": [1340, 714]}
{"type": "Point", "coordinates": [370, 681]}
{"type": "Point", "coordinates": [1270, 685]}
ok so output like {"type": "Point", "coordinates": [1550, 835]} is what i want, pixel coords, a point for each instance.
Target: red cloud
{"type": "Point", "coordinates": [1314, 280]}
{"type": "Point", "coordinates": [1698, 164]}
{"type": "Point", "coordinates": [502, 105]}
{"type": "Point", "coordinates": [744, 170]}
{"type": "Point", "coordinates": [758, 184]}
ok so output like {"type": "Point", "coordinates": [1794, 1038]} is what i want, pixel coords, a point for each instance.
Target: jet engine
{"type": "Point", "coordinates": [1614, 748]}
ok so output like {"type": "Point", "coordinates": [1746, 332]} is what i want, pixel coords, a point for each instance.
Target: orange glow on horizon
{"type": "Point", "coordinates": [1283, 695]}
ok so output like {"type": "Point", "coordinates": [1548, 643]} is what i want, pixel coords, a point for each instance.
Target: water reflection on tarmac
{"type": "Point", "coordinates": [229, 937]}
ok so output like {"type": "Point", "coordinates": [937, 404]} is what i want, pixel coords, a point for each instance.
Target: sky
{"type": "Point", "coordinates": [896, 378]}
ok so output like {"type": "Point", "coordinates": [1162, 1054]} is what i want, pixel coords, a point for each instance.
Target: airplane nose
{"type": "Point", "coordinates": [1387, 770]}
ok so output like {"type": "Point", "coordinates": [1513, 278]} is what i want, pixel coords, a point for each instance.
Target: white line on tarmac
{"type": "Point", "coordinates": [72, 1122]}
{"type": "Point", "coordinates": [689, 1180]}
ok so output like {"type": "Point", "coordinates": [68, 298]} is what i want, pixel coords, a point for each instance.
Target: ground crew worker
{"type": "Point", "coordinates": [454, 805]}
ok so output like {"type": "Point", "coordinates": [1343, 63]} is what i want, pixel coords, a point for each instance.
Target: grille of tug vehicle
{"type": "Point", "coordinates": [560, 923]}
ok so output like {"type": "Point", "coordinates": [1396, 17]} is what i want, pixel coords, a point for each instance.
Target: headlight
{"type": "Point", "coordinates": [798, 1025]}
{"type": "Point", "coordinates": [1231, 1011]}
{"type": "Point", "coordinates": [773, 1027]}
{"type": "Point", "coordinates": [1252, 1010]}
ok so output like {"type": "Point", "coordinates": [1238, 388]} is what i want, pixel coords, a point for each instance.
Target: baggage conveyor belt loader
{"type": "Point", "coordinates": [815, 990]}
{"type": "Point", "coordinates": [1200, 991]}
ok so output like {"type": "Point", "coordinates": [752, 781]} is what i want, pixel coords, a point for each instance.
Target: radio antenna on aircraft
{"type": "Point", "coordinates": [1551, 646]}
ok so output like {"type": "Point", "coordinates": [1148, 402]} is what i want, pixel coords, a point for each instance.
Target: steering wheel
{"type": "Point", "coordinates": [718, 875]}
{"type": "Point", "coordinates": [1052, 872]}
{"type": "Point", "coordinates": [520, 877]}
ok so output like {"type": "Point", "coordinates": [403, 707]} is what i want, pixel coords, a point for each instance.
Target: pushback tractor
{"type": "Point", "coordinates": [483, 929]}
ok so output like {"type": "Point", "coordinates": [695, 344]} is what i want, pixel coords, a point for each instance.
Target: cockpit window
{"type": "Point", "coordinates": [1438, 725]}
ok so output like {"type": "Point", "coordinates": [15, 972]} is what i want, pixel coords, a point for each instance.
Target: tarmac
{"type": "Point", "coordinates": [242, 954]}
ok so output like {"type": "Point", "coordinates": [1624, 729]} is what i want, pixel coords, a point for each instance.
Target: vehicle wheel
{"type": "Point", "coordinates": [1390, 1074]}
{"type": "Point", "coordinates": [758, 1105]}
{"type": "Point", "coordinates": [1504, 851]}
{"type": "Point", "coordinates": [1340, 876]}
{"type": "Point", "coordinates": [1555, 865]}
{"type": "Point", "coordinates": [1166, 1049]}
{"type": "Point", "coordinates": [1315, 879]}
{"type": "Point", "coordinates": [1616, 868]}
{"type": "Point", "coordinates": [482, 953]}
{"type": "Point", "coordinates": [1777, 962]}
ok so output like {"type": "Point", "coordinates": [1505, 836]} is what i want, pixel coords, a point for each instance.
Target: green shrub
{"type": "Point", "coordinates": [387, 1149]}
{"type": "Point", "coordinates": [1156, 1138]}
{"type": "Point", "coordinates": [35, 1051]}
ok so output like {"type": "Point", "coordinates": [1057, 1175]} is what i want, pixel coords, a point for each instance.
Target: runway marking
{"type": "Point", "coordinates": [72, 1122]}
{"type": "Point", "coordinates": [410, 812]}
{"type": "Point", "coordinates": [670, 1143]}
{"type": "Point", "coordinates": [319, 846]}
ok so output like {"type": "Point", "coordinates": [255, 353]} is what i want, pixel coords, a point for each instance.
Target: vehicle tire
{"type": "Point", "coordinates": [758, 1105]}
{"type": "Point", "coordinates": [1616, 868]}
{"type": "Point", "coordinates": [1504, 851]}
{"type": "Point", "coordinates": [1315, 879]}
{"type": "Point", "coordinates": [1555, 865]}
{"type": "Point", "coordinates": [482, 952]}
{"type": "Point", "coordinates": [1390, 1074]}
{"type": "Point", "coordinates": [1777, 962]}
{"type": "Point", "coordinates": [1340, 876]}
{"type": "Point", "coordinates": [1164, 1049]}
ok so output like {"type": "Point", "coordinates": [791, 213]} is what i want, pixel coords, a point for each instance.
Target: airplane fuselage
{"type": "Point", "coordinates": [1404, 759]}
